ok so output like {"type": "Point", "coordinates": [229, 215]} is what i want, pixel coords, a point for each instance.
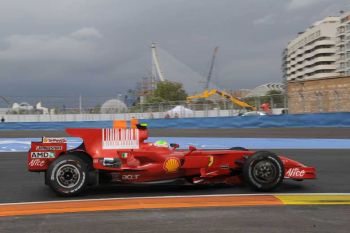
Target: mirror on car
{"type": "Point", "coordinates": [174, 145]}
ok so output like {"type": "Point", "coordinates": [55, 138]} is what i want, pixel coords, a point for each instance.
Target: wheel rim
{"type": "Point", "coordinates": [264, 172]}
{"type": "Point", "coordinates": [68, 176]}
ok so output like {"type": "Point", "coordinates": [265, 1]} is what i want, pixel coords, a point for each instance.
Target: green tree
{"type": "Point", "coordinates": [167, 91]}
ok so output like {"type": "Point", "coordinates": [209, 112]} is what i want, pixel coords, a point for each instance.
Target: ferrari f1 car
{"type": "Point", "coordinates": [122, 155]}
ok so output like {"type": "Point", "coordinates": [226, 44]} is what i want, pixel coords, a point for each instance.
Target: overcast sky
{"type": "Point", "coordinates": [102, 47]}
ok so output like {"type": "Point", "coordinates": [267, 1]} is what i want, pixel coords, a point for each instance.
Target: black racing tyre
{"type": "Point", "coordinates": [263, 171]}
{"type": "Point", "coordinates": [239, 148]}
{"type": "Point", "coordinates": [68, 175]}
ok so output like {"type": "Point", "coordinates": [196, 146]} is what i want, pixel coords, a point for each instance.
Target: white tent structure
{"type": "Point", "coordinates": [21, 107]}
{"type": "Point", "coordinates": [180, 111]}
{"type": "Point", "coordinates": [41, 109]}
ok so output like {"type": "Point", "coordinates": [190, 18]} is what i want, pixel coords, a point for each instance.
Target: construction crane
{"type": "Point", "coordinates": [211, 67]}
{"type": "Point", "coordinates": [206, 94]}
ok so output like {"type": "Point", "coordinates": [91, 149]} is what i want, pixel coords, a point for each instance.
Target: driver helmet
{"type": "Point", "coordinates": [161, 143]}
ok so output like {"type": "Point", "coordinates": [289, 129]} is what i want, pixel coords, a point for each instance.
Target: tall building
{"type": "Point", "coordinates": [343, 45]}
{"type": "Point", "coordinates": [316, 67]}
{"type": "Point", "coordinates": [312, 54]}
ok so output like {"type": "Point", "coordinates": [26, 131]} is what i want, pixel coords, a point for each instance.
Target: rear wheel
{"type": "Point", "coordinates": [263, 171]}
{"type": "Point", "coordinates": [68, 175]}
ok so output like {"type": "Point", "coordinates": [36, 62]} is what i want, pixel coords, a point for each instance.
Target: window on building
{"type": "Point", "coordinates": [341, 29]}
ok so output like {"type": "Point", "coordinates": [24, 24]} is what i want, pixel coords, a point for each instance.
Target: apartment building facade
{"type": "Point", "coordinates": [313, 53]}
{"type": "Point", "coordinates": [316, 67]}
{"type": "Point", "coordinates": [343, 45]}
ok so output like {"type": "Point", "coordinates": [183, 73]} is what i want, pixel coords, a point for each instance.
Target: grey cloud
{"type": "Point", "coordinates": [87, 33]}
{"type": "Point", "coordinates": [101, 47]}
{"type": "Point", "coordinates": [297, 4]}
{"type": "Point", "coordinates": [73, 46]}
{"type": "Point", "coordinates": [267, 19]}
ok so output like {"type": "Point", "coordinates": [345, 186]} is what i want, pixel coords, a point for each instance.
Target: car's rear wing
{"type": "Point", "coordinates": [42, 153]}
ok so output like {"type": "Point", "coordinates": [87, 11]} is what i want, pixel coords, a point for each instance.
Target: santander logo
{"type": "Point", "coordinates": [295, 172]}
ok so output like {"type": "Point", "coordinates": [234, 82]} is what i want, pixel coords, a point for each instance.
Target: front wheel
{"type": "Point", "coordinates": [67, 175]}
{"type": "Point", "coordinates": [263, 171]}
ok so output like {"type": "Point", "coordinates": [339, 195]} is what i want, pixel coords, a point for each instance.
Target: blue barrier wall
{"type": "Point", "coordinates": [276, 121]}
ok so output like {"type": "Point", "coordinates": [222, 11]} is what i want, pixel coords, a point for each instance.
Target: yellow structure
{"type": "Point", "coordinates": [207, 93]}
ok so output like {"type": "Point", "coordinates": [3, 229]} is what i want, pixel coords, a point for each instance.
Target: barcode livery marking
{"type": "Point", "coordinates": [120, 138]}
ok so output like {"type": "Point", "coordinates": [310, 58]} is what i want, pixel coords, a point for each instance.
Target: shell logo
{"type": "Point", "coordinates": [171, 165]}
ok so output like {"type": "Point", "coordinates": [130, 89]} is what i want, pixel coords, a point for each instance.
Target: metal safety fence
{"type": "Point", "coordinates": [116, 105]}
{"type": "Point", "coordinates": [317, 101]}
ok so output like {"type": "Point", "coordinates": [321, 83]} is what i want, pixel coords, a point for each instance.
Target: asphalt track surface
{"type": "Point", "coordinates": [18, 185]}
{"type": "Point", "coordinates": [286, 219]}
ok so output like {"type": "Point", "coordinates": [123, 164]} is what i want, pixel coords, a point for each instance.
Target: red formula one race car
{"type": "Point", "coordinates": [121, 155]}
